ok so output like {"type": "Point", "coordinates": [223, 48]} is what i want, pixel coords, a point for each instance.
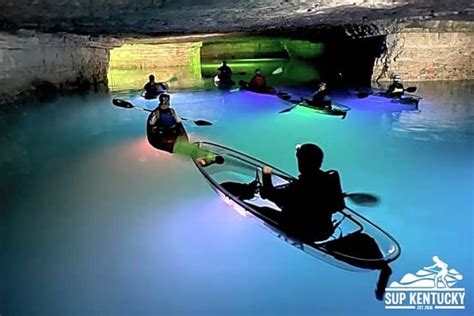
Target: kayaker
{"type": "Point", "coordinates": [441, 274]}
{"type": "Point", "coordinates": [258, 81]}
{"type": "Point", "coordinates": [225, 73]}
{"type": "Point", "coordinates": [152, 89]}
{"type": "Point", "coordinates": [396, 89]}
{"type": "Point", "coordinates": [163, 121]}
{"type": "Point", "coordinates": [320, 97]}
{"type": "Point", "coordinates": [308, 203]}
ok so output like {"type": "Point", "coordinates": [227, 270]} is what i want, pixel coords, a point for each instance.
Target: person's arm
{"type": "Point", "coordinates": [155, 116]}
{"type": "Point", "coordinates": [143, 93]}
{"type": "Point", "coordinates": [431, 267]}
{"type": "Point", "coordinates": [279, 194]}
{"type": "Point", "coordinates": [176, 117]}
{"type": "Point", "coordinates": [337, 195]}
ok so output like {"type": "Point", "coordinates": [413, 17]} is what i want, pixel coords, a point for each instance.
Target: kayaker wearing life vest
{"type": "Point", "coordinates": [164, 125]}
{"type": "Point", "coordinates": [152, 89]}
{"type": "Point", "coordinates": [396, 89]}
{"type": "Point", "coordinates": [258, 81]}
{"type": "Point", "coordinates": [320, 97]}
{"type": "Point", "coordinates": [308, 203]}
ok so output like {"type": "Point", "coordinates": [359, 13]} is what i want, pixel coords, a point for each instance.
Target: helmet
{"type": "Point", "coordinates": [397, 78]}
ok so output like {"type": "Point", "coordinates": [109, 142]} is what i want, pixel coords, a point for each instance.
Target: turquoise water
{"type": "Point", "coordinates": [95, 221]}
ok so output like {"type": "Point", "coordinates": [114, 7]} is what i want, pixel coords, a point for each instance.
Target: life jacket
{"type": "Point", "coordinates": [165, 121]}
{"type": "Point", "coordinates": [258, 81]}
{"type": "Point", "coordinates": [396, 88]}
{"type": "Point", "coordinates": [313, 200]}
{"type": "Point", "coordinates": [151, 88]}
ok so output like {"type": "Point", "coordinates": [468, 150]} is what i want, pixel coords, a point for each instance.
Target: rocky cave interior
{"type": "Point", "coordinates": [50, 47]}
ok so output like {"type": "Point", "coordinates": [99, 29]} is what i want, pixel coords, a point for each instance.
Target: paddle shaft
{"type": "Point", "coordinates": [129, 105]}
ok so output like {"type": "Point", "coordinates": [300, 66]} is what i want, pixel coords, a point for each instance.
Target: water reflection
{"type": "Point", "coordinates": [446, 114]}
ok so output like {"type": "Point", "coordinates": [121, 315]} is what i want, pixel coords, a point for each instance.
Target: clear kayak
{"type": "Point", "coordinates": [356, 244]}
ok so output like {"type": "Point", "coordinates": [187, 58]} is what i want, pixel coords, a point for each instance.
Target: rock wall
{"type": "Point", "coordinates": [428, 52]}
{"type": "Point", "coordinates": [179, 64]}
{"type": "Point", "coordinates": [245, 48]}
{"type": "Point", "coordinates": [32, 61]}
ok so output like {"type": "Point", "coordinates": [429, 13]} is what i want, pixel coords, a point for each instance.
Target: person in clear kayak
{"type": "Point", "coordinates": [308, 203]}
{"type": "Point", "coordinates": [153, 89]}
{"type": "Point", "coordinates": [396, 89]}
{"type": "Point", "coordinates": [320, 97]}
{"type": "Point", "coordinates": [164, 126]}
{"type": "Point", "coordinates": [225, 74]}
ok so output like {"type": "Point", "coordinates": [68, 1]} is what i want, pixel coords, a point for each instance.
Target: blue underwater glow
{"type": "Point", "coordinates": [95, 221]}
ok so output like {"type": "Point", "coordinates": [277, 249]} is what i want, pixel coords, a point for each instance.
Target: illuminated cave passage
{"type": "Point", "coordinates": [332, 56]}
{"type": "Point", "coordinates": [40, 64]}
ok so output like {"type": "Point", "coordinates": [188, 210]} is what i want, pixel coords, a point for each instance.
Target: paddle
{"type": "Point", "coordinates": [364, 199]}
{"type": "Point", "coordinates": [288, 109]}
{"type": "Point", "coordinates": [365, 94]}
{"type": "Point", "coordinates": [277, 71]}
{"type": "Point", "coordinates": [285, 96]}
{"type": "Point", "coordinates": [128, 105]}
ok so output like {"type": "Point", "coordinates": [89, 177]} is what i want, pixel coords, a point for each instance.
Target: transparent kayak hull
{"type": "Point", "coordinates": [357, 243]}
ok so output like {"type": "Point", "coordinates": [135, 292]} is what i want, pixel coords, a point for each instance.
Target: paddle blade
{"type": "Point", "coordinates": [277, 71]}
{"type": "Point", "coordinates": [410, 89]}
{"type": "Point", "coordinates": [202, 123]}
{"type": "Point", "coordinates": [122, 103]}
{"type": "Point", "coordinates": [172, 79]}
{"type": "Point", "coordinates": [287, 109]}
{"type": "Point", "coordinates": [363, 199]}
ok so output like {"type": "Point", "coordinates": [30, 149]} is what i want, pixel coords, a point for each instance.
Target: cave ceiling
{"type": "Point", "coordinates": [167, 17]}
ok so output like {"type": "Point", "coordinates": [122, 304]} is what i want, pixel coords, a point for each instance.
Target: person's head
{"type": "Point", "coordinates": [310, 158]}
{"type": "Point", "coordinates": [224, 63]}
{"type": "Point", "coordinates": [258, 71]}
{"type": "Point", "coordinates": [397, 78]}
{"type": "Point", "coordinates": [322, 86]}
{"type": "Point", "coordinates": [164, 100]}
{"type": "Point", "coordinates": [151, 78]}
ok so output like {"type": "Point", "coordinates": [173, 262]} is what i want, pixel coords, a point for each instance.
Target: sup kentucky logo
{"type": "Point", "coordinates": [430, 288]}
